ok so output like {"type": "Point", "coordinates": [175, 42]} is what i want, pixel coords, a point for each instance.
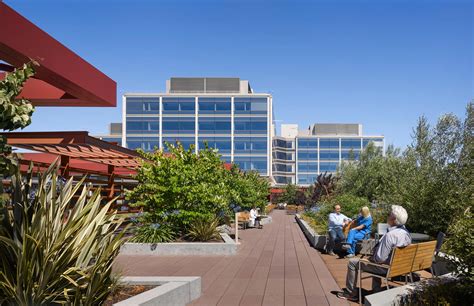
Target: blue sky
{"type": "Point", "coordinates": [379, 63]}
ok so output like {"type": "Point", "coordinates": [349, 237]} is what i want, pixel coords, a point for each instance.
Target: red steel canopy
{"type": "Point", "coordinates": [62, 78]}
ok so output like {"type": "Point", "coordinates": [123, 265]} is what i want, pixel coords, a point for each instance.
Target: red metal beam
{"type": "Point", "coordinates": [63, 78]}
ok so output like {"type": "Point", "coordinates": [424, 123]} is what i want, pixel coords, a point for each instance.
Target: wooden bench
{"type": "Point", "coordinates": [243, 218]}
{"type": "Point", "coordinates": [403, 262]}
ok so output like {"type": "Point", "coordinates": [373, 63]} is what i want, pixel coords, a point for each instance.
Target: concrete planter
{"type": "Point", "coordinates": [316, 241]}
{"type": "Point", "coordinates": [172, 290]}
{"type": "Point", "coordinates": [227, 247]}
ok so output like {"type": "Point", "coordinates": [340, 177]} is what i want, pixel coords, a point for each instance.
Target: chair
{"type": "Point", "coordinates": [424, 256]}
{"type": "Point", "coordinates": [401, 263]}
{"type": "Point", "coordinates": [382, 229]}
{"type": "Point", "coordinates": [243, 219]}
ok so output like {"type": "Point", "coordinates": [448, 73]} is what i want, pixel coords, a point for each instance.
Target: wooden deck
{"type": "Point", "coordinates": [274, 266]}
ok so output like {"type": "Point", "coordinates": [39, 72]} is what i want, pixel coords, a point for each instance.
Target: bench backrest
{"type": "Point", "coordinates": [402, 260]}
{"type": "Point", "coordinates": [424, 256]}
{"type": "Point", "coordinates": [243, 216]}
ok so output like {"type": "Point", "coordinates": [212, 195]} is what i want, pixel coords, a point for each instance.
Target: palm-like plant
{"type": "Point", "coordinates": [57, 246]}
{"type": "Point", "coordinates": [204, 230]}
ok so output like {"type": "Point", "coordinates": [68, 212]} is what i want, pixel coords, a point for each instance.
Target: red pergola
{"type": "Point", "coordinates": [62, 78]}
{"type": "Point", "coordinates": [79, 155]}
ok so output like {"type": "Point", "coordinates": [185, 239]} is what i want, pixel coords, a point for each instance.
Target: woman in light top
{"type": "Point", "coordinates": [364, 226]}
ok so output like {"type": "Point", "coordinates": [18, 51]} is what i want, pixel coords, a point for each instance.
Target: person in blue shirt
{"type": "Point", "coordinates": [364, 226]}
{"type": "Point", "coordinates": [337, 221]}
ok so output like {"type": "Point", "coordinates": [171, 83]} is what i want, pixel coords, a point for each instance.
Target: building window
{"type": "Point", "coordinates": [307, 143]}
{"type": "Point", "coordinates": [223, 144]}
{"type": "Point", "coordinates": [307, 179]}
{"type": "Point", "coordinates": [214, 105]}
{"type": "Point", "coordinates": [349, 143]}
{"type": "Point", "coordinates": [250, 105]}
{"type": "Point", "coordinates": [214, 125]}
{"type": "Point", "coordinates": [251, 125]}
{"type": "Point", "coordinates": [329, 143]}
{"type": "Point", "coordinates": [308, 155]}
{"type": "Point", "coordinates": [377, 141]}
{"type": "Point", "coordinates": [175, 125]}
{"type": "Point", "coordinates": [350, 155]}
{"type": "Point", "coordinates": [172, 105]}
{"type": "Point", "coordinates": [282, 155]}
{"type": "Point", "coordinates": [144, 143]}
{"type": "Point", "coordinates": [328, 167]}
{"type": "Point", "coordinates": [250, 144]}
{"type": "Point", "coordinates": [146, 125]}
{"type": "Point", "coordinates": [282, 179]}
{"type": "Point", "coordinates": [282, 167]}
{"type": "Point", "coordinates": [329, 155]}
{"type": "Point", "coordinates": [143, 105]}
{"type": "Point", "coordinates": [283, 143]}
{"type": "Point", "coordinates": [307, 167]}
{"type": "Point", "coordinates": [252, 163]}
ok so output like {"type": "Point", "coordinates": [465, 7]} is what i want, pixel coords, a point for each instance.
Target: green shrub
{"type": "Point", "coordinates": [55, 248]}
{"type": "Point", "coordinates": [440, 291]}
{"type": "Point", "coordinates": [153, 233]}
{"type": "Point", "coordinates": [204, 229]}
{"type": "Point", "coordinates": [460, 243]}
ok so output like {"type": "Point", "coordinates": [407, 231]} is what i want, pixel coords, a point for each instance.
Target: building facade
{"type": "Point", "coordinates": [300, 156]}
{"type": "Point", "coordinates": [222, 113]}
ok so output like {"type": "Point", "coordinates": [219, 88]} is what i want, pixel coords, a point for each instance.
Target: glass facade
{"type": "Point", "coordinates": [238, 127]}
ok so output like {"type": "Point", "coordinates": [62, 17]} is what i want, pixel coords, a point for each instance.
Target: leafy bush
{"type": "Point", "coordinates": [204, 230]}
{"type": "Point", "coordinates": [440, 291]}
{"type": "Point", "coordinates": [153, 233]}
{"type": "Point", "coordinates": [179, 188]}
{"type": "Point", "coordinates": [460, 244]}
{"type": "Point", "coordinates": [57, 249]}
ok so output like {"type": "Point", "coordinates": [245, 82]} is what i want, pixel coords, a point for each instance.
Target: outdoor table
{"type": "Point", "coordinates": [418, 237]}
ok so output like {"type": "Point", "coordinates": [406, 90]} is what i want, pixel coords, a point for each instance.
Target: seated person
{"type": "Point", "coordinates": [336, 222]}
{"type": "Point", "coordinates": [397, 237]}
{"type": "Point", "coordinates": [364, 224]}
{"type": "Point", "coordinates": [253, 216]}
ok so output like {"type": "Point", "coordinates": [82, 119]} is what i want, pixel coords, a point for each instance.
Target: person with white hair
{"type": "Point", "coordinates": [396, 237]}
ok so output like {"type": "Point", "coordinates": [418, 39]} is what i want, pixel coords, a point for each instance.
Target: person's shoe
{"type": "Point", "coordinates": [350, 255]}
{"type": "Point", "coordinates": [332, 253]}
{"type": "Point", "coordinates": [347, 296]}
{"type": "Point", "coordinates": [346, 247]}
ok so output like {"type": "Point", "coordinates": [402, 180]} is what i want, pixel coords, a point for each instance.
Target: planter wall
{"type": "Point", "coordinates": [316, 241]}
{"type": "Point", "coordinates": [228, 247]}
{"type": "Point", "coordinates": [177, 291]}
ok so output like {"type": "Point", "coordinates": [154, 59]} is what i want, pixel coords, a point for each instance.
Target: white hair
{"type": "Point", "coordinates": [400, 214]}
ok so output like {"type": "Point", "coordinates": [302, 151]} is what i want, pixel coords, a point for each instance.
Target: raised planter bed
{"type": "Point", "coordinates": [227, 247]}
{"type": "Point", "coordinates": [317, 241]}
{"type": "Point", "coordinates": [172, 290]}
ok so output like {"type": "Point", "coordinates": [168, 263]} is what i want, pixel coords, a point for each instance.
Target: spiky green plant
{"type": "Point", "coordinates": [204, 229]}
{"type": "Point", "coordinates": [58, 244]}
{"type": "Point", "coordinates": [153, 233]}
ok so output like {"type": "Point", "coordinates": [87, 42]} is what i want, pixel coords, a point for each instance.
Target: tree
{"type": "Point", "coordinates": [289, 196]}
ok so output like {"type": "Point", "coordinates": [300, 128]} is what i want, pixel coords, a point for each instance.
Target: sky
{"type": "Point", "coordinates": [379, 63]}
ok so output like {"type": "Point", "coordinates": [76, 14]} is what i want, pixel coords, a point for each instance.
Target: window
{"type": "Point", "coordinates": [307, 179]}
{"type": "Point", "coordinates": [214, 125]}
{"type": "Point", "coordinates": [307, 167]}
{"type": "Point", "coordinates": [252, 163]}
{"type": "Point", "coordinates": [329, 143]}
{"type": "Point", "coordinates": [350, 143]}
{"type": "Point", "coordinates": [172, 105]}
{"type": "Point", "coordinates": [282, 155]}
{"type": "Point", "coordinates": [377, 141]}
{"type": "Point", "coordinates": [137, 125]}
{"type": "Point", "coordinates": [250, 144]}
{"type": "Point", "coordinates": [214, 105]}
{"type": "Point", "coordinates": [223, 144]}
{"type": "Point", "coordinates": [307, 155]}
{"type": "Point", "coordinates": [181, 125]}
{"type": "Point", "coordinates": [282, 179]}
{"type": "Point", "coordinates": [329, 155]}
{"type": "Point", "coordinates": [307, 144]}
{"type": "Point", "coordinates": [144, 143]}
{"type": "Point", "coordinates": [143, 105]}
{"type": "Point", "coordinates": [283, 143]}
{"type": "Point", "coordinates": [282, 167]}
{"type": "Point", "coordinates": [328, 167]}
{"type": "Point", "coordinates": [250, 105]}
{"type": "Point", "coordinates": [252, 125]}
